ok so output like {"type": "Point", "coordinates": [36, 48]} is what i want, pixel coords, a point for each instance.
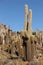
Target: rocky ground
{"type": "Point", "coordinates": [20, 62]}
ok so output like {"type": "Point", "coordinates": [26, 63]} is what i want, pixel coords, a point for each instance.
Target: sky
{"type": "Point", "coordinates": [12, 13]}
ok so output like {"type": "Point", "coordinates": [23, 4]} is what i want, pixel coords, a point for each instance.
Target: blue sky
{"type": "Point", "coordinates": [12, 13]}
